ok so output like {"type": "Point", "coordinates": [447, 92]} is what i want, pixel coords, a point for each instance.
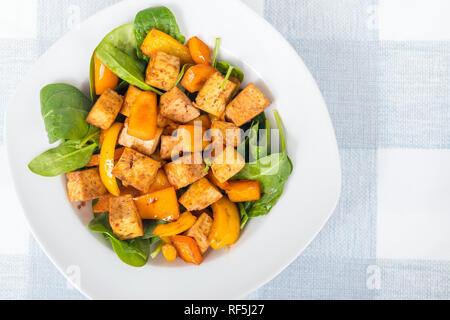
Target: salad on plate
{"type": "Point", "coordinates": [174, 152]}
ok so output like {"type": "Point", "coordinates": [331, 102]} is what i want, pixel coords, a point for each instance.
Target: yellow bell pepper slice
{"type": "Point", "coordinates": [107, 158]}
{"type": "Point", "coordinates": [226, 224]}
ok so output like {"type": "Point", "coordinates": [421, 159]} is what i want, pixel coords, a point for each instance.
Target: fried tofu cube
{"type": "Point", "coordinates": [136, 169]}
{"type": "Point", "coordinates": [124, 218]}
{"type": "Point", "coordinates": [130, 98]}
{"type": "Point", "coordinates": [226, 133]}
{"type": "Point", "coordinates": [226, 164]}
{"type": "Point", "coordinates": [146, 147]}
{"type": "Point", "coordinates": [211, 98]}
{"type": "Point", "coordinates": [185, 170]}
{"type": "Point", "coordinates": [175, 105]}
{"type": "Point", "coordinates": [85, 185]}
{"type": "Point", "coordinates": [170, 147]}
{"type": "Point", "coordinates": [200, 231]}
{"type": "Point", "coordinates": [105, 110]}
{"type": "Point", "coordinates": [162, 71]}
{"type": "Point", "coordinates": [248, 104]}
{"type": "Point", "coordinates": [200, 195]}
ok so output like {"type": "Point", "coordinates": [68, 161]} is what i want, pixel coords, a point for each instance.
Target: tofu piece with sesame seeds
{"type": "Point", "coordinates": [226, 164]}
{"type": "Point", "coordinates": [200, 195]}
{"type": "Point", "coordinates": [146, 147]}
{"type": "Point", "coordinates": [226, 133]}
{"type": "Point", "coordinates": [85, 185]}
{"type": "Point", "coordinates": [130, 98]}
{"type": "Point", "coordinates": [185, 170]}
{"type": "Point", "coordinates": [105, 110]}
{"type": "Point", "coordinates": [248, 104]}
{"type": "Point", "coordinates": [212, 98]}
{"type": "Point", "coordinates": [136, 169]}
{"type": "Point", "coordinates": [124, 218]}
{"type": "Point", "coordinates": [200, 231]}
{"type": "Point", "coordinates": [162, 71]}
{"type": "Point", "coordinates": [175, 105]}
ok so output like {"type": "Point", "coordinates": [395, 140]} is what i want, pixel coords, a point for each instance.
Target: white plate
{"type": "Point", "coordinates": [268, 243]}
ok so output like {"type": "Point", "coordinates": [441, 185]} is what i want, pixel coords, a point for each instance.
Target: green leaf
{"type": "Point", "coordinates": [64, 158]}
{"type": "Point", "coordinates": [272, 172]}
{"type": "Point", "coordinates": [244, 215]}
{"type": "Point", "coordinates": [64, 109]}
{"type": "Point", "coordinates": [223, 67]}
{"type": "Point", "coordinates": [160, 18]}
{"type": "Point", "coordinates": [124, 66]}
{"type": "Point", "coordinates": [134, 252]}
{"type": "Point", "coordinates": [157, 249]}
{"type": "Point", "coordinates": [92, 78]}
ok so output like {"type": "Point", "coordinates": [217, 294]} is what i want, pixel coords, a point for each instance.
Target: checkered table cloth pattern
{"type": "Point", "coordinates": [383, 67]}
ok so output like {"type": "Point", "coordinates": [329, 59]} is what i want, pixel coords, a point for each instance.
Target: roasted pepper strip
{"type": "Point", "coordinates": [107, 158]}
{"type": "Point", "coordinates": [104, 78]}
{"type": "Point", "coordinates": [185, 221]}
{"type": "Point", "coordinates": [187, 248]}
{"type": "Point", "coordinates": [226, 224]}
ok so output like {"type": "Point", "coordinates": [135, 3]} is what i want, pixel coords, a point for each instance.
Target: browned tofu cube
{"type": "Point", "coordinates": [200, 231]}
{"type": "Point", "coordinates": [200, 195]}
{"type": "Point", "coordinates": [162, 71]}
{"type": "Point", "coordinates": [124, 218]}
{"type": "Point", "coordinates": [130, 98]}
{"type": "Point", "coordinates": [248, 104]}
{"type": "Point", "coordinates": [170, 147]}
{"type": "Point", "coordinates": [146, 147]}
{"type": "Point", "coordinates": [175, 105]}
{"type": "Point", "coordinates": [185, 170]}
{"type": "Point", "coordinates": [136, 169]}
{"type": "Point", "coordinates": [105, 110]}
{"type": "Point", "coordinates": [211, 98]}
{"type": "Point", "coordinates": [226, 164]}
{"type": "Point", "coordinates": [85, 185]}
{"type": "Point", "coordinates": [226, 133]}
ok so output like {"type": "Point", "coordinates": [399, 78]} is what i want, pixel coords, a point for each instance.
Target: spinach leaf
{"type": "Point", "coordinates": [223, 67]}
{"type": "Point", "coordinates": [160, 18]}
{"type": "Point", "coordinates": [64, 109]}
{"type": "Point", "coordinates": [149, 227]}
{"type": "Point", "coordinates": [92, 78]}
{"type": "Point", "coordinates": [134, 252]}
{"type": "Point", "coordinates": [243, 211]}
{"type": "Point", "coordinates": [272, 172]}
{"type": "Point", "coordinates": [254, 147]}
{"type": "Point", "coordinates": [124, 66]}
{"type": "Point", "coordinates": [117, 51]}
{"type": "Point", "coordinates": [69, 156]}
{"type": "Point", "coordinates": [216, 52]}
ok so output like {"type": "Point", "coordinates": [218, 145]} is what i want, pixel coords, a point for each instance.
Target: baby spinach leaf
{"type": "Point", "coordinates": [92, 78]}
{"type": "Point", "coordinates": [160, 18]}
{"type": "Point", "coordinates": [243, 212]}
{"type": "Point", "coordinates": [64, 109]}
{"type": "Point", "coordinates": [223, 67]}
{"type": "Point", "coordinates": [134, 252]}
{"type": "Point", "coordinates": [124, 66]}
{"type": "Point", "coordinates": [117, 51]}
{"type": "Point", "coordinates": [272, 172]}
{"type": "Point", "coordinates": [69, 156]}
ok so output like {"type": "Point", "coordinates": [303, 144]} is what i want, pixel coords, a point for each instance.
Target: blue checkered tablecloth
{"type": "Point", "coordinates": [383, 67]}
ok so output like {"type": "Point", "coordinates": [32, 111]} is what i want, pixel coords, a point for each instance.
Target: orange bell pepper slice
{"type": "Point", "coordinates": [203, 120]}
{"type": "Point", "coordinates": [169, 252]}
{"type": "Point", "coordinates": [159, 41]}
{"type": "Point", "coordinates": [226, 224]}
{"type": "Point", "coordinates": [104, 78]}
{"type": "Point", "coordinates": [160, 205]}
{"type": "Point", "coordinates": [199, 51]}
{"type": "Point", "coordinates": [196, 76]}
{"type": "Point", "coordinates": [243, 190]}
{"type": "Point", "coordinates": [188, 249]}
{"type": "Point", "coordinates": [143, 117]}
{"type": "Point", "coordinates": [185, 221]}
{"type": "Point", "coordinates": [107, 158]}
